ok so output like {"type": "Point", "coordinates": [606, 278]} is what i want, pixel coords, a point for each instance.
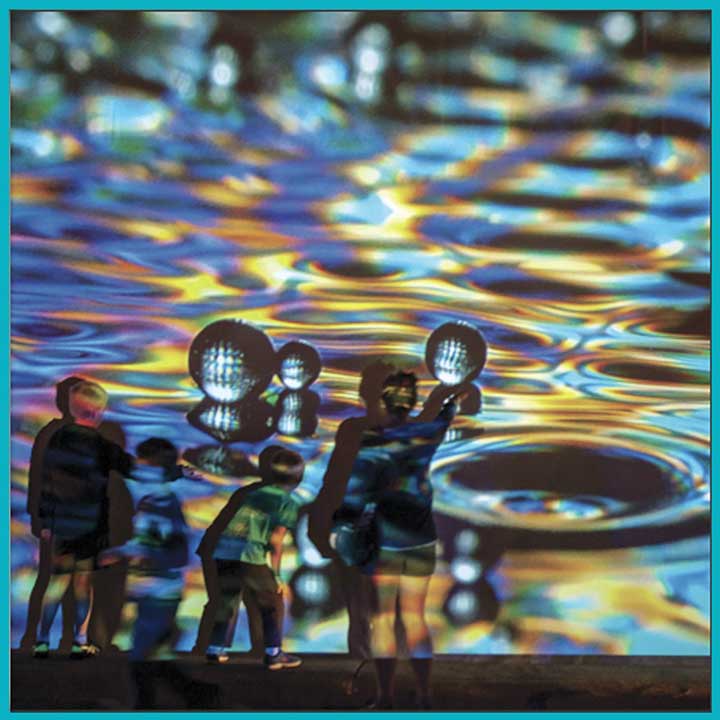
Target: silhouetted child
{"type": "Point", "coordinates": [239, 542]}
{"type": "Point", "coordinates": [35, 474]}
{"type": "Point", "coordinates": [73, 509]}
{"type": "Point", "coordinates": [157, 553]}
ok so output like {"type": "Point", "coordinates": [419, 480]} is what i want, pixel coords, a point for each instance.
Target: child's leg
{"type": "Point", "coordinates": [230, 588]}
{"type": "Point", "coordinates": [83, 599]}
{"type": "Point", "coordinates": [259, 581]}
{"type": "Point", "coordinates": [37, 594]}
{"type": "Point", "coordinates": [383, 639]}
{"type": "Point", "coordinates": [154, 625]}
{"type": "Point", "coordinates": [61, 573]}
{"type": "Point", "coordinates": [413, 592]}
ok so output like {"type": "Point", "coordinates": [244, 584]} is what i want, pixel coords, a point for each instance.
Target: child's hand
{"type": "Point", "coordinates": [282, 588]}
{"type": "Point", "coordinates": [190, 473]}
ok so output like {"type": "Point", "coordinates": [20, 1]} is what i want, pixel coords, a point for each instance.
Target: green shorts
{"type": "Point", "coordinates": [415, 562]}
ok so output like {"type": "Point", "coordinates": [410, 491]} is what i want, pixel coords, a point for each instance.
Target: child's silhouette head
{"type": "Point", "coordinates": [281, 466]}
{"type": "Point", "coordinates": [157, 452]}
{"type": "Point", "coordinates": [87, 402]}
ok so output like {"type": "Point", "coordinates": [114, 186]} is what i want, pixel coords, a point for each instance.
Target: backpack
{"type": "Point", "coordinates": [357, 540]}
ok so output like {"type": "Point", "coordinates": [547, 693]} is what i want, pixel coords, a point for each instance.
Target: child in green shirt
{"type": "Point", "coordinates": [240, 553]}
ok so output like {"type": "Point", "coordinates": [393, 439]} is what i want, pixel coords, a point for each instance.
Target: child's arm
{"type": "Point", "coordinates": [335, 480]}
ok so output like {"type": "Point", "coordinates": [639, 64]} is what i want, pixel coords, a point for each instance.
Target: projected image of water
{"type": "Point", "coordinates": [349, 182]}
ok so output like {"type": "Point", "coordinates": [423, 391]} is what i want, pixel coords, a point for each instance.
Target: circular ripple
{"type": "Point", "coordinates": [577, 493]}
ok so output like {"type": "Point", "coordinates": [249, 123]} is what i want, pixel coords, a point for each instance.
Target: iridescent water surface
{"type": "Point", "coordinates": [353, 181]}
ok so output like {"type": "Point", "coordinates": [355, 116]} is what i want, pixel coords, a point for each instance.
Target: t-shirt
{"type": "Point", "coordinates": [159, 534]}
{"type": "Point", "coordinates": [247, 535]}
{"type": "Point", "coordinates": [392, 470]}
{"type": "Point", "coordinates": [75, 473]}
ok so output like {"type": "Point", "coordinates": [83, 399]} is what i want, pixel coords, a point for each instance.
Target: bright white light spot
{"type": "Point", "coordinates": [465, 570]}
{"type": "Point", "coordinates": [329, 71]}
{"type": "Point", "coordinates": [313, 588]}
{"type": "Point", "coordinates": [222, 74]}
{"type": "Point", "coordinates": [370, 60]}
{"type": "Point", "coordinates": [619, 27]}
{"type": "Point", "coordinates": [44, 146]}
{"type": "Point", "coordinates": [51, 22]}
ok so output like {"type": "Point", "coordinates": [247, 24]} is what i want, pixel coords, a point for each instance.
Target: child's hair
{"type": "Point", "coordinates": [159, 452]}
{"type": "Point", "coordinates": [279, 465]}
{"type": "Point", "coordinates": [87, 401]}
{"type": "Point", "coordinates": [398, 379]}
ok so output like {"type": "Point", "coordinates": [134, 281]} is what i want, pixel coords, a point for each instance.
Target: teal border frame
{"type": "Point", "coordinates": [315, 5]}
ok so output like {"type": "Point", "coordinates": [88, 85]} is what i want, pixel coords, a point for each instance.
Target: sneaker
{"type": "Point", "coordinates": [281, 660]}
{"type": "Point", "coordinates": [86, 650]}
{"type": "Point", "coordinates": [41, 650]}
{"type": "Point", "coordinates": [214, 658]}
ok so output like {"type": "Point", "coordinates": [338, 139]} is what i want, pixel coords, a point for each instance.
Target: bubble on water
{"type": "Point", "coordinates": [299, 365]}
{"type": "Point", "coordinates": [219, 420]}
{"type": "Point", "coordinates": [289, 422]}
{"type": "Point", "coordinates": [231, 360]}
{"type": "Point", "coordinates": [249, 421]}
{"type": "Point", "coordinates": [455, 353]}
{"type": "Point", "coordinates": [297, 413]}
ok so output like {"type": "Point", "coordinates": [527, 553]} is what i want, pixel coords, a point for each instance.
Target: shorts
{"type": "Point", "coordinates": [67, 552]}
{"type": "Point", "coordinates": [415, 562]}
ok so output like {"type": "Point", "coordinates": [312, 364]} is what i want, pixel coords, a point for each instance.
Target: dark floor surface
{"type": "Point", "coordinates": [460, 683]}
